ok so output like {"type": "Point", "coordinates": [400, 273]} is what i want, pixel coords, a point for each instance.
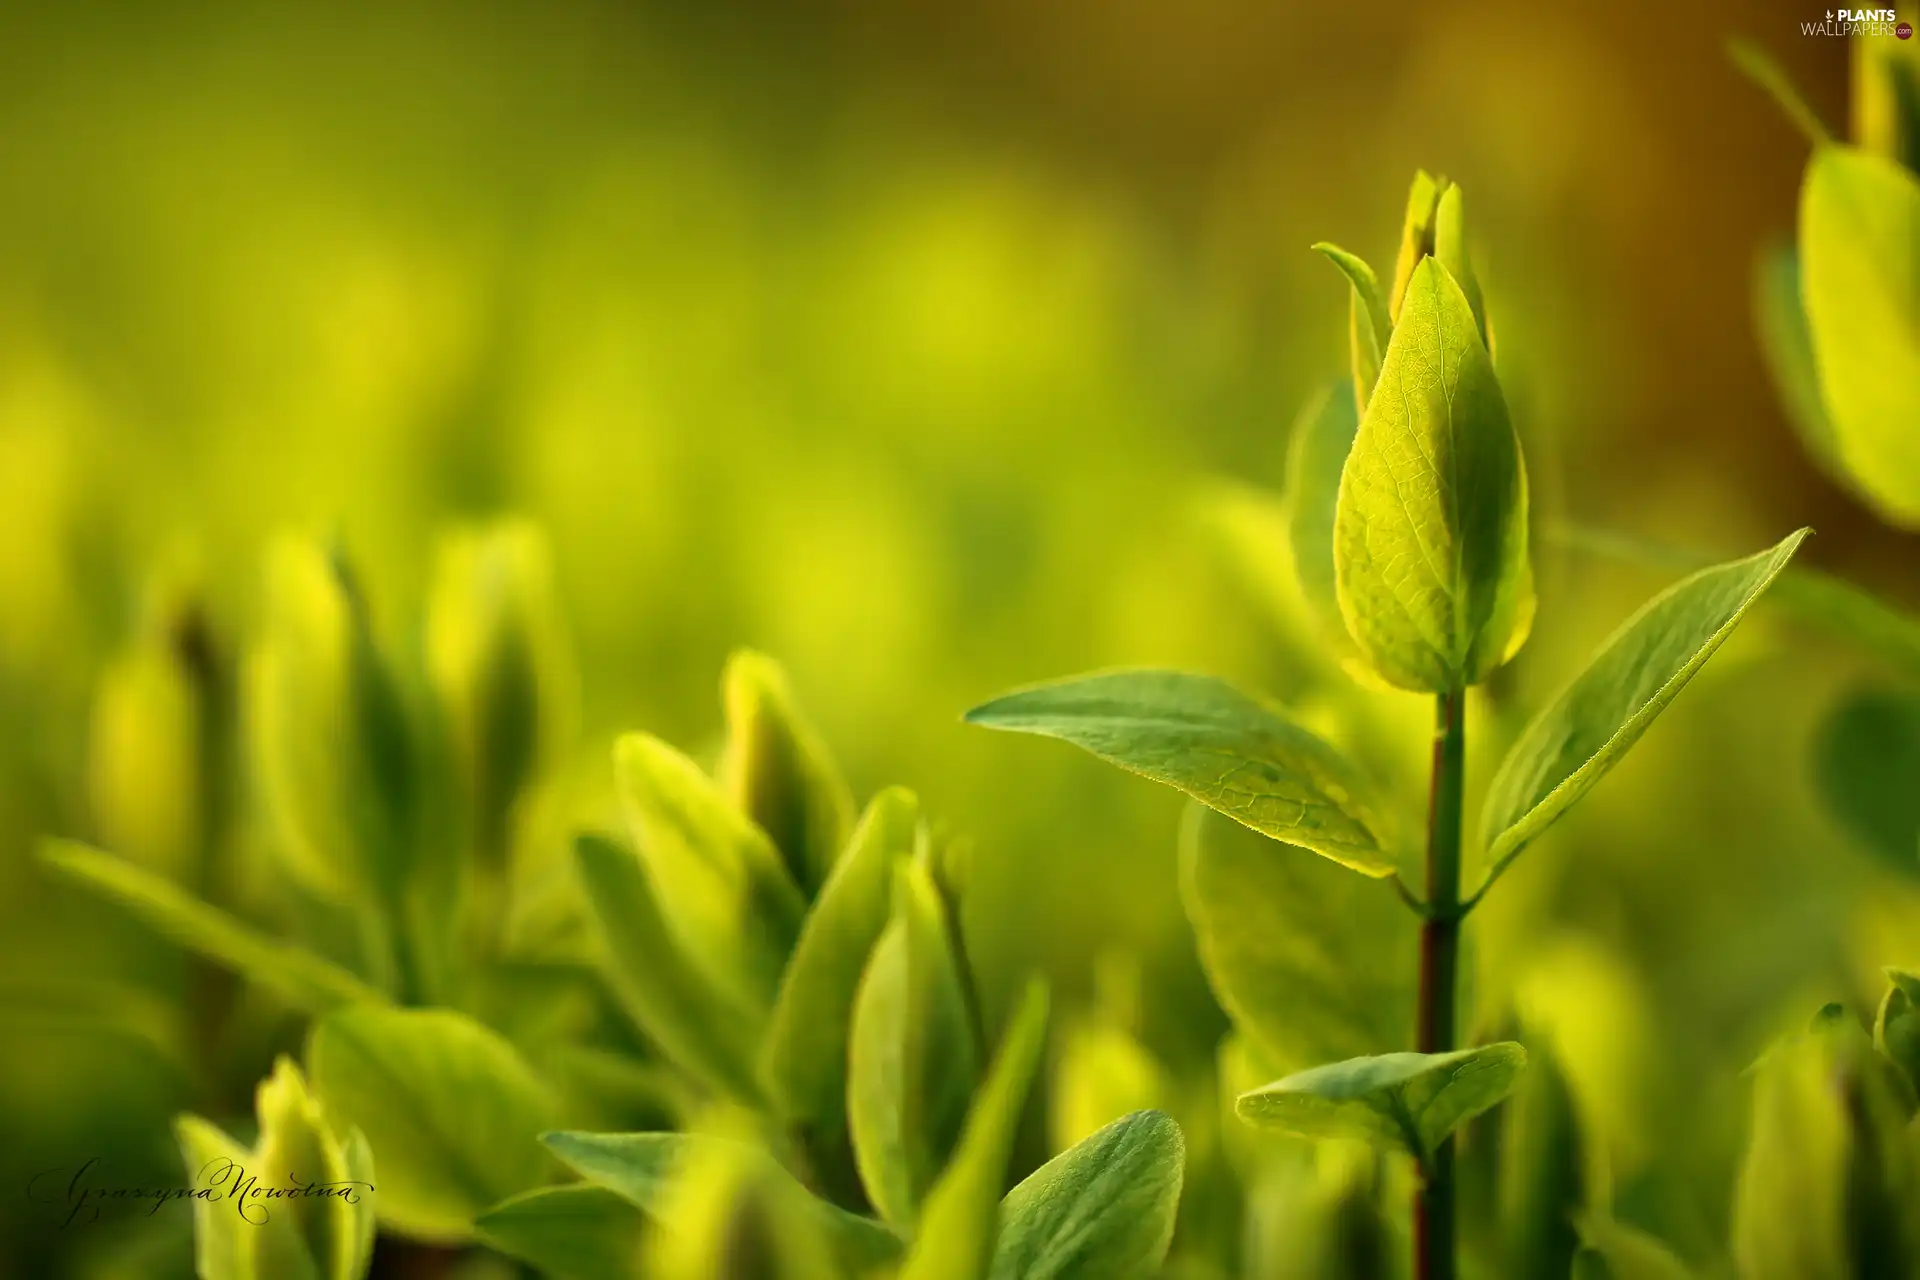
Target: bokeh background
{"type": "Point", "coordinates": [912, 343]}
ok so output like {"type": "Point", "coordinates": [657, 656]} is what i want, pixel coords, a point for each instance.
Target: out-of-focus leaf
{"type": "Point", "coordinates": [1832, 1172]}
{"type": "Point", "coordinates": [1101, 1210]}
{"type": "Point", "coordinates": [1367, 325]}
{"type": "Point", "coordinates": [245, 1231]}
{"type": "Point", "coordinates": [1322, 438]}
{"type": "Point", "coordinates": [1430, 539]}
{"type": "Point", "coordinates": [331, 743]}
{"type": "Point", "coordinates": [450, 1110]}
{"type": "Point", "coordinates": [722, 887]}
{"type": "Point", "coordinates": [1784, 338]}
{"type": "Point", "coordinates": [1896, 1025]}
{"type": "Point", "coordinates": [1545, 1170]}
{"type": "Point", "coordinates": [225, 1245]}
{"type": "Point", "coordinates": [501, 666]}
{"type": "Point", "coordinates": [1611, 1250]}
{"type": "Point", "coordinates": [1759, 67]}
{"type": "Point", "coordinates": [1403, 1101]}
{"type": "Point", "coordinates": [729, 1214]}
{"type": "Point", "coordinates": [804, 1057]}
{"type": "Point", "coordinates": [913, 1057]}
{"type": "Point", "coordinates": [580, 1232]}
{"type": "Point", "coordinates": [1789, 1204]}
{"type": "Point", "coordinates": [1206, 738]}
{"type": "Point", "coordinates": [779, 772]}
{"type": "Point", "coordinates": [1101, 1072]}
{"type": "Point", "coordinates": [642, 1168]}
{"type": "Point", "coordinates": [1322, 1220]}
{"type": "Point", "coordinates": [1860, 276]}
{"type": "Point", "coordinates": [304, 979]}
{"type": "Point", "coordinates": [299, 1144]}
{"type": "Point", "coordinates": [1250, 529]}
{"type": "Point", "coordinates": [696, 1025]}
{"type": "Point", "coordinates": [146, 759]}
{"type": "Point", "coordinates": [1886, 99]}
{"type": "Point", "coordinates": [1572, 743]}
{"type": "Point", "coordinates": [959, 1224]}
{"type": "Point", "coordinates": [1867, 764]}
{"type": "Point", "coordinates": [1312, 963]}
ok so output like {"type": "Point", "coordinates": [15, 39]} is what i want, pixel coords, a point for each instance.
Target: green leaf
{"type": "Point", "coordinates": [1866, 763]}
{"type": "Point", "coordinates": [778, 771]}
{"type": "Point", "coordinates": [1311, 962]}
{"type": "Point", "coordinates": [804, 1057]}
{"type": "Point", "coordinates": [1206, 738]}
{"type": "Point", "coordinates": [1430, 539]}
{"type": "Point", "coordinates": [637, 1166]}
{"type": "Point", "coordinates": [960, 1222]}
{"type": "Point", "coordinates": [1886, 99]}
{"type": "Point", "coordinates": [1416, 238]}
{"type": "Point", "coordinates": [1860, 259]}
{"type": "Point", "coordinates": [1789, 1210]}
{"type": "Point", "coordinates": [913, 1057]}
{"type": "Point", "coordinates": [449, 1109]}
{"type": "Point", "coordinates": [1615, 1251]}
{"type": "Point", "coordinates": [730, 1215]}
{"type": "Point", "coordinates": [151, 737]}
{"type": "Point", "coordinates": [1572, 743]}
{"type": "Point", "coordinates": [334, 760]}
{"type": "Point", "coordinates": [224, 1244]}
{"type": "Point", "coordinates": [1545, 1163]}
{"type": "Point", "coordinates": [1322, 439]}
{"type": "Point", "coordinates": [580, 1232]}
{"type": "Point", "coordinates": [1832, 604]}
{"type": "Point", "coordinates": [299, 1143]}
{"type": "Point", "coordinates": [247, 1231]}
{"type": "Point", "coordinates": [642, 1168]}
{"type": "Point", "coordinates": [1406, 1101]}
{"type": "Point", "coordinates": [1450, 250]}
{"type": "Point", "coordinates": [1896, 1025]}
{"type": "Point", "coordinates": [722, 887]}
{"type": "Point", "coordinates": [501, 667]}
{"type": "Point", "coordinates": [699, 1028]}
{"type": "Point", "coordinates": [1367, 324]}
{"type": "Point", "coordinates": [1103, 1209]}
{"type": "Point", "coordinates": [1788, 345]}
{"type": "Point", "coordinates": [1101, 1071]}
{"type": "Point", "coordinates": [304, 979]}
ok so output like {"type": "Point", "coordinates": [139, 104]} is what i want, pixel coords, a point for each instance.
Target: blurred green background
{"type": "Point", "coordinates": [906, 342]}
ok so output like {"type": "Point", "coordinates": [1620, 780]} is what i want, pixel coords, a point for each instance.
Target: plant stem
{"type": "Point", "coordinates": [1433, 1208]}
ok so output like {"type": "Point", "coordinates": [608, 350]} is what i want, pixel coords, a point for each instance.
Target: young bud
{"type": "Point", "coordinates": [1450, 247]}
{"type": "Point", "coordinates": [328, 733]}
{"type": "Point", "coordinates": [299, 1204]}
{"type": "Point", "coordinates": [501, 669]}
{"type": "Point", "coordinates": [1416, 236]}
{"type": "Point", "coordinates": [148, 756]}
{"type": "Point", "coordinates": [778, 772]}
